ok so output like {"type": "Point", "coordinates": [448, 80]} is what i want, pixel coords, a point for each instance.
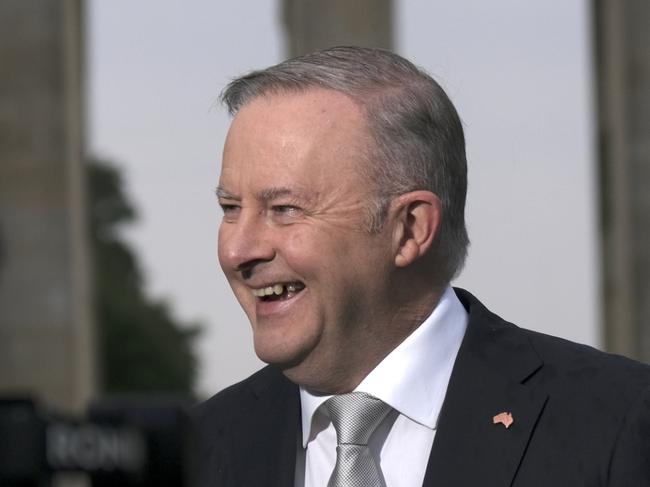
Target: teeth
{"type": "Point", "coordinates": [276, 289]}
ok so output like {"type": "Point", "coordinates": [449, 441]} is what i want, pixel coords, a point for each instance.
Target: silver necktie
{"type": "Point", "coordinates": [355, 416]}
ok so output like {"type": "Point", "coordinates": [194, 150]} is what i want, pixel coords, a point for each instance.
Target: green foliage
{"type": "Point", "coordinates": [142, 348]}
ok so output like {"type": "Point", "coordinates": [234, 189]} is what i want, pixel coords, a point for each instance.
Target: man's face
{"type": "Point", "coordinates": [293, 241]}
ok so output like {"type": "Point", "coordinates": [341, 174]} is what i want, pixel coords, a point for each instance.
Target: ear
{"type": "Point", "coordinates": [418, 216]}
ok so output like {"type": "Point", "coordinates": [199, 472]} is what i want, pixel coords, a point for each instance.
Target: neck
{"type": "Point", "coordinates": [411, 305]}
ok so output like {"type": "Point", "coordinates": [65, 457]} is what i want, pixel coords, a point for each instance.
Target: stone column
{"type": "Point", "coordinates": [317, 24]}
{"type": "Point", "coordinates": [46, 333]}
{"type": "Point", "coordinates": [623, 74]}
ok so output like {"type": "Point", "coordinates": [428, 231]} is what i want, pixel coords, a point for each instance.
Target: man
{"type": "Point", "coordinates": [343, 189]}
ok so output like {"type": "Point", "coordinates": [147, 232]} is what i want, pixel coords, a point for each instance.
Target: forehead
{"type": "Point", "coordinates": [308, 109]}
{"type": "Point", "coordinates": [308, 135]}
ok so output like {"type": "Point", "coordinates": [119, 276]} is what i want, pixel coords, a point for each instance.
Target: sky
{"type": "Point", "coordinates": [519, 74]}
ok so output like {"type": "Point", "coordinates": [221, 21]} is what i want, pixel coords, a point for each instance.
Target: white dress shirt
{"type": "Point", "coordinates": [413, 380]}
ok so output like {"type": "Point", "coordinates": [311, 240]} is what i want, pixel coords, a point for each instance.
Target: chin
{"type": "Point", "coordinates": [279, 354]}
{"type": "Point", "coordinates": [286, 343]}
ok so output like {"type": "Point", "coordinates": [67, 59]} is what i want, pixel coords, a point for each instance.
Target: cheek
{"type": "Point", "coordinates": [299, 248]}
{"type": "Point", "coordinates": [333, 254]}
{"type": "Point", "coordinates": [328, 260]}
{"type": "Point", "coordinates": [322, 259]}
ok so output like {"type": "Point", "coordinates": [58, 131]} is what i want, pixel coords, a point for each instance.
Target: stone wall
{"type": "Point", "coordinates": [46, 334]}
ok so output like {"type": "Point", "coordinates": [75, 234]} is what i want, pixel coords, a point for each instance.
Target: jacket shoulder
{"type": "Point", "coordinates": [235, 399]}
{"type": "Point", "coordinates": [560, 350]}
{"type": "Point", "coordinates": [246, 434]}
{"type": "Point", "coordinates": [594, 428]}
{"type": "Point", "coordinates": [563, 362]}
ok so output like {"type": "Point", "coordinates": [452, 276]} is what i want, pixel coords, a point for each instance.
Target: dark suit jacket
{"type": "Point", "coordinates": [581, 417]}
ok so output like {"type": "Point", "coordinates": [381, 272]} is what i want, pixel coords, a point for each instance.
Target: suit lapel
{"type": "Point", "coordinates": [488, 378]}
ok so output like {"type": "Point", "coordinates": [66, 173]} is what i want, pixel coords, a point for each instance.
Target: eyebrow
{"type": "Point", "coordinates": [266, 194]}
{"type": "Point", "coordinates": [224, 193]}
{"type": "Point", "coordinates": [269, 194]}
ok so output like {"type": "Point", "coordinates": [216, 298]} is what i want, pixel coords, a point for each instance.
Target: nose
{"type": "Point", "coordinates": [245, 243]}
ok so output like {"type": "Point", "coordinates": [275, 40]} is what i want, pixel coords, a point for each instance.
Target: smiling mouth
{"type": "Point", "coordinates": [278, 291]}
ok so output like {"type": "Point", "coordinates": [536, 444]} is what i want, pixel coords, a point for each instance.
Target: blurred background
{"type": "Point", "coordinates": [110, 145]}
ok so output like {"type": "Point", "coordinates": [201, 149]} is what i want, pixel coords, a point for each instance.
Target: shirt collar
{"type": "Point", "coordinates": [413, 378]}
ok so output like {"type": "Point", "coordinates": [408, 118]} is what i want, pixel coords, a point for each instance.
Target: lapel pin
{"type": "Point", "coordinates": [504, 418]}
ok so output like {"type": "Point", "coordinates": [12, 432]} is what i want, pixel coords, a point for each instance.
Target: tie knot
{"type": "Point", "coordinates": [355, 416]}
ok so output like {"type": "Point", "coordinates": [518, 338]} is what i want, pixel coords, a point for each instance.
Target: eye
{"type": "Point", "coordinates": [286, 213]}
{"type": "Point", "coordinates": [229, 210]}
{"type": "Point", "coordinates": [288, 210]}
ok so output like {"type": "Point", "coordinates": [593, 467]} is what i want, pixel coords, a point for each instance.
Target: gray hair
{"type": "Point", "coordinates": [418, 136]}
